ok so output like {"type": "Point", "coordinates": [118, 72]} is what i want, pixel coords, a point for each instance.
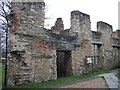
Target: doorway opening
{"type": "Point", "coordinates": [64, 63]}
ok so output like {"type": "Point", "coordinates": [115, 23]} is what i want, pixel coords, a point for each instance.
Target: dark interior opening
{"type": "Point", "coordinates": [64, 64]}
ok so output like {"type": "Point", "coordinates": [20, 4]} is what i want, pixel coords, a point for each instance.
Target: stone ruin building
{"type": "Point", "coordinates": [36, 54]}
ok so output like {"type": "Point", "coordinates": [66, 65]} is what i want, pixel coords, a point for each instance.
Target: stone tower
{"type": "Point", "coordinates": [80, 25]}
{"type": "Point", "coordinates": [30, 59]}
{"type": "Point", "coordinates": [81, 28]}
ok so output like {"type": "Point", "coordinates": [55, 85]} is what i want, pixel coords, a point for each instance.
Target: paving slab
{"type": "Point", "coordinates": [112, 81]}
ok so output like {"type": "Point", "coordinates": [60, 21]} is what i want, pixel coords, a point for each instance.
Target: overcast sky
{"type": "Point", "coordinates": [99, 10]}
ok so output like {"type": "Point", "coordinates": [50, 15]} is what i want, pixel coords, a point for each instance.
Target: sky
{"type": "Point", "coordinates": [99, 10]}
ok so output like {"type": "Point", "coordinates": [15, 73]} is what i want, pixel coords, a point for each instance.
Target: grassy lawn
{"type": "Point", "coordinates": [2, 68]}
{"type": "Point", "coordinates": [63, 80]}
{"type": "Point", "coordinates": [118, 75]}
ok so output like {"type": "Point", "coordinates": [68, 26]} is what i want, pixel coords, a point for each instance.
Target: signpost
{"type": "Point", "coordinates": [88, 61]}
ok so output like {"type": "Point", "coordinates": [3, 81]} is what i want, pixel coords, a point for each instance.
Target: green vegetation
{"type": "Point", "coordinates": [118, 75]}
{"type": "Point", "coordinates": [2, 70]}
{"type": "Point", "coordinates": [62, 80]}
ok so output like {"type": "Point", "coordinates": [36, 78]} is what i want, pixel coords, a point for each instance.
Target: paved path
{"type": "Point", "coordinates": [112, 80]}
{"type": "Point", "coordinates": [115, 71]}
{"type": "Point", "coordinates": [0, 87]}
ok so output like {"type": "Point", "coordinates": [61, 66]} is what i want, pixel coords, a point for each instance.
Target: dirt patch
{"type": "Point", "coordinates": [93, 83]}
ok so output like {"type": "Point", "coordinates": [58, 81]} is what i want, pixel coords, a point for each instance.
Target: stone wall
{"type": "Point", "coordinates": [30, 58]}
{"type": "Point", "coordinates": [31, 67]}
{"type": "Point", "coordinates": [116, 57]}
{"type": "Point", "coordinates": [116, 34]}
{"type": "Point", "coordinates": [79, 56]}
{"type": "Point", "coordinates": [96, 36]}
{"type": "Point", "coordinates": [44, 65]}
{"type": "Point", "coordinates": [35, 54]}
{"type": "Point", "coordinates": [28, 14]}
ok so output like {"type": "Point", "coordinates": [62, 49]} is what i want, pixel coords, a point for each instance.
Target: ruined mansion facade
{"type": "Point", "coordinates": [36, 54]}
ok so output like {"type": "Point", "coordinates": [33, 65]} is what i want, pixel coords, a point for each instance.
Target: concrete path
{"type": "Point", "coordinates": [112, 81]}
{"type": "Point", "coordinates": [0, 87]}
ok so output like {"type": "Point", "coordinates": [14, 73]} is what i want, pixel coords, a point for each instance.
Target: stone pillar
{"type": "Point", "coordinates": [80, 25]}
{"type": "Point", "coordinates": [58, 27]}
{"type": "Point", "coordinates": [106, 31]}
{"type": "Point", "coordinates": [75, 22]}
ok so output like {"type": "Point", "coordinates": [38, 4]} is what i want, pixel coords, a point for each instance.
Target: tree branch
{"type": "Point", "coordinates": [3, 21]}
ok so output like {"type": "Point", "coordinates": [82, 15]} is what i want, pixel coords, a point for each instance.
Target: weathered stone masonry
{"type": "Point", "coordinates": [30, 59]}
{"type": "Point", "coordinates": [36, 54]}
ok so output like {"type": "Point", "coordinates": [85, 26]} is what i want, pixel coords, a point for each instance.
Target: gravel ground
{"type": "Point", "coordinates": [93, 83]}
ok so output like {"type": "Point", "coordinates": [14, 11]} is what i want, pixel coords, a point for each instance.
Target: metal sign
{"type": "Point", "coordinates": [89, 60]}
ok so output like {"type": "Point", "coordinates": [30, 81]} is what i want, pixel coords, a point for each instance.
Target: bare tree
{"type": "Point", "coordinates": [5, 7]}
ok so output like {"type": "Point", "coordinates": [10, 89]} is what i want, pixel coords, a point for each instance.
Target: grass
{"type": "Point", "coordinates": [118, 75]}
{"type": "Point", "coordinates": [2, 69]}
{"type": "Point", "coordinates": [63, 80]}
